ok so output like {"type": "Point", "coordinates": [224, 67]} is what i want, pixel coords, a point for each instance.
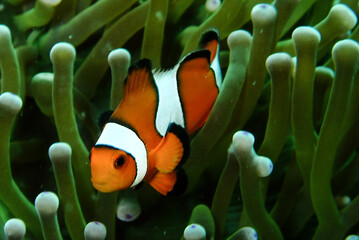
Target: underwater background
{"type": "Point", "coordinates": [290, 82]}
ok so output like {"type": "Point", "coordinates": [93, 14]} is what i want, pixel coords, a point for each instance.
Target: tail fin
{"type": "Point", "coordinates": [210, 41]}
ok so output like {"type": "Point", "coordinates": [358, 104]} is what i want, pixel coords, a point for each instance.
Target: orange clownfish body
{"type": "Point", "coordinates": [146, 137]}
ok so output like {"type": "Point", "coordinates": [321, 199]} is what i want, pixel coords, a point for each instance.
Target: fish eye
{"type": "Point", "coordinates": [119, 161]}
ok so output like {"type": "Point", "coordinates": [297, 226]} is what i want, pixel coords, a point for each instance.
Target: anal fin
{"type": "Point", "coordinates": [163, 182]}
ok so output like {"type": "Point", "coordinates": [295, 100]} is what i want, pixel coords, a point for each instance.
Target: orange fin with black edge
{"type": "Point", "coordinates": [172, 150]}
{"type": "Point", "coordinates": [197, 88]}
{"type": "Point", "coordinates": [210, 40]}
{"type": "Point", "coordinates": [163, 182]}
{"type": "Point", "coordinates": [140, 99]}
{"type": "Point", "coordinates": [139, 78]}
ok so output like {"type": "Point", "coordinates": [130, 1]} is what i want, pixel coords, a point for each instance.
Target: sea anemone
{"type": "Point", "coordinates": [290, 71]}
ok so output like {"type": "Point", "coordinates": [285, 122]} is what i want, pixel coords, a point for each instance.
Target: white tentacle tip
{"type": "Point", "coordinates": [341, 13]}
{"type": "Point", "coordinates": [5, 34]}
{"type": "Point", "coordinates": [4, 29]}
{"type": "Point", "coordinates": [15, 229]}
{"type": "Point", "coordinates": [279, 60]}
{"type": "Point", "coordinates": [306, 34]}
{"type": "Point", "coordinates": [47, 203]}
{"type": "Point", "coordinates": [243, 141]}
{"type": "Point", "coordinates": [342, 201]}
{"type": "Point", "coordinates": [345, 49]}
{"type": "Point", "coordinates": [212, 5]}
{"type": "Point", "coordinates": [60, 151]}
{"type": "Point", "coordinates": [239, 37]}
{"type": "Point", "coordinates": [62, 51]}
{"type": "Point", "coordinates": [352, 237]}
{"type": "Point", "coordinates": [51, 3]}
{"type": "Point", "coordinates": [10, 102]}
{"type": "Point", "coordinates": [263, 166]}
{"type": "Point", "coordinates": [120, 55]}
{"type": "Point", "coordinates": [264, 14]}
{"type": "Point", "coordinates": [95, 231]}
{"type": "Point", "coordinates": [128, 210]}
{"type": "Point", "coordinates": [194, 232]}
{"type": "Point", "coordinates": [245, 233]}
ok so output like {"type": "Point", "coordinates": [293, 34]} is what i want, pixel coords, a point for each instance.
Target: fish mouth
{"type": "Point", "coordinates": [98, 185]}
{"type": "Point", "coordinates": [102, 187]}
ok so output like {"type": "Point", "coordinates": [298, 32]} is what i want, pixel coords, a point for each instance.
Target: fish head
{"type": "Point", "coordinates": [111, 169]}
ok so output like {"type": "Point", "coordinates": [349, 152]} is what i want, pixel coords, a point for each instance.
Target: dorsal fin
{"type": "Point", "coordinates": [210, 40]}
{"type": "Point", "coordinates": [138, 107]}
{"type": "Point", "coordinates": [139, 77]}
{"type": "Point", "coordinates": [197, 88]}
{"type": "Point", "coordinates": [200, 60]}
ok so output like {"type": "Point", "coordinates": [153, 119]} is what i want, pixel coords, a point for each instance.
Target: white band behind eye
{"type": "Point", "coordinates": [120, 137]}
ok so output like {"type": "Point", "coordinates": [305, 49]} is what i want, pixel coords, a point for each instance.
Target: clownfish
{"type": "Point", "coordinates": [147, 136]}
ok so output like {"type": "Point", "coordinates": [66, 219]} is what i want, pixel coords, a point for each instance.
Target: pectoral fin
{"type": "Point", "coordinates": [173, 149]}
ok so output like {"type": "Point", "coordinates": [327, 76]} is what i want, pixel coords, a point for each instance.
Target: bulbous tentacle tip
{"type": "Point", "coordinates": [263, 14]}
{"type": "Point", "coordinates": [5, 33]}
{"type": "Point", "coordinates": [342, 201]}
{"type": "Point", "coordinates": [120, 55]}
{"type": "Point", "coordinates": [212, 5]}
{"type": "Point", "coordinates": [95, 231]}
{"type": "Point", "coordinates": [306, 35]}
{"type": "Point", "coordinates": [325, 70]}
{"type": "Point", "coordinates": [43, 76]}
{"type": "Point", "coordinates": [263, 166]}
{"type": "Point", "coordinates": [128, 209]}
{"type": "Point", "coordinates": [238, 38]}
{"type": "Point", "coordinates": [345, 51]}
{"type": "Point", "coordinates": [51, 3]}
{"type": "Point", "coordinates": [343, 15]}
{"type": "Point", "coordinates": [242, 142]}
{"type": "Point", "coordinates": [245, 233]}
{"type": "Point", "coordinates": [352, 237]}
{"type": "Point", "coordinates": [47, 203]}
{"type": "Point", "coordinates": [194, 232]}
{"type": "Point", "coordinates": [62, 51]}
{"type": "Point", "coordinates": [279, 61]}
{"type": "Point", "coordinates": [10, 103]}
{"type": "Point", "coordinates": [60, 151]}
{"type": "Point", "coordinates": [15, 229]}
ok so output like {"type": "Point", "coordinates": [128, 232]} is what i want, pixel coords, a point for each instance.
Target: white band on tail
{"type": "Point", "coordinates": [123, 138]}
{"type": "Point", "coordinates": [217, 69]}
